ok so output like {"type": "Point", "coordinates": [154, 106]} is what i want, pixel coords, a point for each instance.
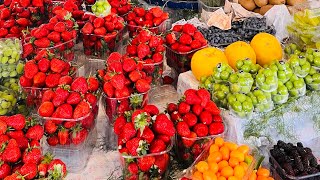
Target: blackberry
{"type": "Point", "coordinates": [313, 170]}
{"type": "Point", "coordinates": [294, 153]}
{"type": "Point", "coordinates": [305, 162]}
{"type": "Point", "coordinates": [299, 144]}
{"type": "Point", "coordinates": [288, 168]}
{"type": "Point", "coordinates": [276, 153]}
{"type": "Point", "coordinates": [301, 151]}
{"type": "Point", "coordinates": [281, 144]}
{"type": "Point", "coordinates": [308, 150]}
{"type": "Point", "coordinates": [318, 167]}
{"type": "Point", "coordinates": [312, 160]}
{"type": "Point", "coordinates": [298, 163]}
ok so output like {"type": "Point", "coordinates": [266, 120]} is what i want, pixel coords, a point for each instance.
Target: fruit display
{"type": "Point", "coordinates": [197, 120]}
{"type": "Point", "coordinates": [101, 35]}
{"type": "Point", "coordinates": [8, 100]}
{"type": "Point", "coordinates": [300, 65]}
{"type": "Point", "coordinates": [296, 86]}
{"type": "Point", "coordinates": [261, 101]}
{"type": "Point", "coordinates": [281, 95]}
{"type": "Point", "coordinates": [219, 94]}
{"type": "Point", "coordinates": [267, 80]}
{"type": "Point", "coordinates": [10, 50]}
{"type": "Point", "coordinates": [125, 85]}
{"type": "Point", "coordinates": [153, 19]}
{"type": "Point", "coordinates": [312, 80]}
{"type": "Point", "coordinates": [101, 8]}
{"type": "Point", "coordinates": [120, 7]}
{"type": "Point", "coordinates": [293, 50]}
{"type": "Point", "coordinates": [240, 104]}
{"type": "Point", "coordinates": [222, 72]}
{"type": "Point", "coordinates": [239, 50]}
{"type": "Point", "coordinates": [223, 159]}
{"type": "Point", "coordinates": [294, 161]}
{"type": "Point", "coordinates": [284, 72]}
{"type": "Point", "coordinates": [248, 66]}
{"type": "Point", "coordinates": [144, 143]}
{"type": "Point", "coordinates": [241, 82]}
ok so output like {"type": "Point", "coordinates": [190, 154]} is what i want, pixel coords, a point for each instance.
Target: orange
{"type": "Point", "coordinates": [232, 146]}
{"type": "Point", "coordinates": [263, 172]}
{"type": "Point", "coordinates": [214, 167]}
{"type": "Point", "coordinates": [209, 175]}
{"type": "Point", "coordinates": [222, 164]}
{"type": "Point", "coordinates": [197, 176]}
{"type": "Point", "coordinates": [253, 176]}
{"type": "Point", "coordinates": [239, 171]}
{"type": "Point", "coordinates": [222, 178]}
{"type": "Point", "coordinates": [213, 148]}
{"type": "Point", "coordinates": [233, 161]}
{"type": "Point", "coordinates": [233, 178]}
{"type": "Point", "coordinates": [225, 152]}
{"type": "Point", "coordinates": [202, 166]}
{"type": "Point", "coordinates": [215, 157]}
{"type": "Point", "coordinates": [237, 51]}
{"type": "Point", "coordinates": [262, 178]}
{"type": "Point", "coordinates": [270, 178]}
{"type": "Point", "coordinates": [244, 165]}
{"type": "Point", "coordinates": [244, 149]}
{"type": "Point", "coordinates": [227, 171]}
{"type": "Point", "coordinates": [219, 141]}
{"type": "Point", "coordinates": [237, 154]}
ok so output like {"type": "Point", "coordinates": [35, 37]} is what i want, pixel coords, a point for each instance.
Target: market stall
{"type": "Point", "coordinates": [199, 90]}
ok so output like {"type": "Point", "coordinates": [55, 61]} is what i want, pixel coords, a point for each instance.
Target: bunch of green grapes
{"type": "Point", "coordinates": [11, 83]}
{"type": "Point", "coordinates": [11, 70]}
{"type": "Point", "coordinates": [240, 104]}
{"type": "Point", "coordinates": [284, 72]}
{"type": "Point", "coordinates": [292, 49]}
{"type": "Point", "coordinates": [7, 100]}
{"type": "Point", "coordinates": [296, 86]}
{"type": "Point", "coordinates": [281, 95]}
{"type": "Point", "coordinates": [313, 79]}
{"type": "Point", "coordinates": [313, 57]}
{"type": "Point", "coordinates": [241, 82]}
{"type": "Point", "coordinates": [261, 100]}
{"type": "Point", "coordinates": [267, 80]}
{"type": "Point", "coordinates": [299, 65]}
{"type": "Point", "coordinates": [206, 82]}
{"type": "Point", "coordinates": [219, 94]}
{"type": "Point", "coordinates": [248, 66]}
{"type": "Point", "coordinates": [222, 72]}
{"type": "Point", "coordinates": [10, 50]}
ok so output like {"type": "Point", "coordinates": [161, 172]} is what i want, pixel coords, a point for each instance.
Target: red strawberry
{"type": "Point", "coordinates": [30, 69]}
{"type": "Point", "coordinates": [108, 89]}
{"type": "Point", "coordinates": [44, 65]}
{"type": "Point", "coordinates": [197, 109]}
{"type": "Point", "coordinates": [39, 79]}
{"type": "Point", "coordinates": [81, 110]}
{"type": "Point", "coordinates": [151, 109]}
{"type": "Point", "coordinates": [12, 153]}
{"type": "Point", "coordinates": [57, 167]}
{"type": "Point", "coordinates": [3, 127]}
{"type": "Point", "coordinates": [92, 99]}
{"type": "Point", "coordinates": [63, 136]}
{"type": "Point", "coordinates": [4, 138]}
{"type": "Point", "coordinates": [50, 127]}
{"type": "Point", "coordinates": [217, 118]}
{"type": "Point", "coordinates": [183, 129]}
{"type": "Point", "coordinates": [31, 155]}
{"type": "Point", "coordinates": [206, 117]}
{"type": "Point", "coordinates": [118, 81]}
{"type": "Point", "coordinates": [57, 65]}
{"type": "Point", "coordinates": [136, 146]}
{"type": "Point", "coordinates": [190, 140]}
{"type": "Point", "coordinates": [29, 170]}
{"type": "Point", "coordinates": [204, 96]}
{"type": "Point", "coordinates": [156, 11]}
{"type": "Point", "coordinates": [93, 84]}
{"type": "Point", "coordinates": [23, 22]}
{"type": "Point", "coordinates": [52, 80]}
{"type": "Point", "coordinates": [196, 44]}
{"type": "Point", "coordinates": [189, 29]}
{"type": "Point", "coordinates": [37, 3]}
{"type": "Point", "coordinates": [144, 36]}
{"type": "Point", "coordinates": [142, 86]}
{"type": "Point", "coordinates": [216, 128]}
{"type": "Point", "coordinates": [157, 146]}
{"type": "Point", "coordinates": [166, 139]}
{"type": "Point", "coordinates": [163, 125]}
{"type": "Point", "coordinates": [80, 85]}
{"type": "Point", "coordinates": [190, 119]}
{"type": "Point", "coordinates": [69, 124]}
{"type": "Point", "coordinates": [162, 162]}
{"type": "Point", "coordinates": [118, 124]}
{"type": "Point", "coordinates": [201, 130]}
{"type": "Point", "coordinates": [17, 121]}
{"type": "Point", "coordinates": [53, 140]}
{"type": "Point", "coordinates": [139, 11]}
{"type": "Point", "coordinates": [143, 50]}
{"type": "Point", "coordinates": [199, 36]}
{"type": "Point", "coordinates": [133, 167]}
{"type": "Point", "coordinates": [212, 108]}
{"type": "Point", "coordinates": [66, 36]}
{"type": "Point", "coordinates": [60, 27]}
{"type": "Point", "coordinates": [98, 22]}
{"type": "Point", "coordinates": [87, 28]}
{"type": "Point", "coordinates": [64, 111]}
{"type": "Point", "coordinates": [25, 82]}
{"type": "Point", "coordinates": [35, 132]}
{"type": "Point", "coordinates": [129, 65]}
{"type": "Point", "coordinates": [4, 32]}
{"type": "Point", "coordinates": [65, 80]}
{"type": "Point", "coordinates": [60, 97]}
{"type": "Point", "coordinates": [79, 136]}
{"type": "Point", "coordinates": [128, 132]}
{"type": "Point", "coordinates": [185, 39]}
{"type": "Point", "coordinates": [47, 95]}
{"type": "Point", "coordinates": [42, 43]}
{"type": "Point", "coordinates": [145, 163]}
{"type": "Point", "coordinates": [191, 97]}
{"type": "Point", "coordinates": [157, 57]}
{"type": "Point", "coordinates": [183, 108]}
{"type": "Point", "coordinates": [16, 134]}
{"type": "Point", "coordinates": [5, 170]}
{"type": "Point", "coordinates": [184, 48]}
{"type": "Point", "coordinates": [74, 98]}
{"type": "Point", "coordinates": [171, 108]}
{"type": "Point", "coordinates": [100, 31]}
{"type": "Point", "coordinates": [54, 36]}
{"type": "Point", "coordinates": [135, 75]}
{"type": "Point", "coordinates": [146, 135]}
{"type": "Point", "coordinates": [5, 13]}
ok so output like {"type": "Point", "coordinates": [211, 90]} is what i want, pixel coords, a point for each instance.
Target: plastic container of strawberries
{"type": "Point", "coordinates": [102, 46]}
{"type": "Point", "coordinates": [189, 149]}
{"type": "Point", "coordinates": [180, 61]}
{"type": "Point", "coordinates": [134, 30]}
{"type": "Point", "coordinates": [153, 173]}
{"type": "Point", "coordinates": [154, 70]}
{"type": "Point", "coordinates": [37, 15]}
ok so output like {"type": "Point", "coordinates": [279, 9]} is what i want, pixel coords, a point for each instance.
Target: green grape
{"type": "Point", "coordinates": [7, 100]}
{"type": "Point", "coordinates": [267, 80]}
{"type": "Point", "coordinates": [296, 86]}
{"type": "Point", "coordinates": [240, 104]}
{"type": "Point", "coordinates": [222, 72]}
{"type": "Point", "coordinates": [261, 100]}
{"type": "Point", "coordinates": [246, 65]}
{"type": "Point", "coordinates": [312, 80]}
{"type": "Point", "coordinates": [300, 66]}
{"type": "Point", "coordinates": [101, 8]}
{"type": "Point", "coordinates": [241, 82]}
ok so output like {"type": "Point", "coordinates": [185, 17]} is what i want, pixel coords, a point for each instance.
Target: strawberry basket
{"type": "Point", "coordinates": [155, 70]}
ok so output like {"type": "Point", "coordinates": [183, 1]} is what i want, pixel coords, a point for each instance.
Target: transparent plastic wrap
{"type": "Point", "coordinates": [154, 70]}
{"type": "Point", "coordinates": [298, 92]}
{"type": "Point", "coordinates": [240, 105]}
{"type": "Point", "coordinates": [241, 82]}
{"type": "Point", "coordinates": [300, 66]}
{"type": "Point", "coordinates": [8, 100]}
{"type": "Point", "coordinates": [267, 80]}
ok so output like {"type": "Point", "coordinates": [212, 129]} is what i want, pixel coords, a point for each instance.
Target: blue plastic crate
{"type": "Point", "coordinates": [193, 5]}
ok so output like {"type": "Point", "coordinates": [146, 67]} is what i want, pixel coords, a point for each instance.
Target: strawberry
{"type": "Point", "coordinates": [64, 111]}
{"type": "Point", "coordinates": [140, 119]}
{"type": "Point", "coordinates": [60, 97]}
{"type": "Point", "coordinates": [37, 3]}
{"type": "Point", "coordinates": [29, 170]}
{"type": "Point", "coordinates": [131, 50]}
{"type": "Point", "coordinates": [146, 135]}
{"type": "Point", "coordinates": [183, 108]}
{"type": "Point", "coordinates": [145, 163]}
{"type": "Point", "coordinates": [199, 36]}
{"type": "Point", "coordinates": [204, 96]}
{"type": "Point", "coordinates": [201, 130]}
{"type": "Point", "coordinates": [191, 97]}
{"type": "Point", "coordinates": [39, 79]}
{"type": "Point", "coordinates": [44, 65]}
{"type": "Point", "coordinates": [78, 136]}
{"type": "Point", "coordinates": [69, 124]}
{"type": "Point", "coordinates": [144, 36]}
{"type": "Point", "coordinates": [22, 142]}
{"type": "Point", "coordinates": [142, 86]}
{"type": "Point", "coordinates": [5, 13]}
{"type": "Point", "coordinates": [108, 89]}
{"type": "Point", "coordinates": [34, 143]}
{"type": "Point", "coordinates": [9, 23]}
{"type": "Point", "coordinates": [206, 117]}
{"type": "Point", "coordinates": [129, 64]}
{"type": "Point", "coordinates": [4, 138]}
{"type": "Point", "coordinates": [66, 36]}
{"type": "Point", "coordinates": [92, 99]}
{"type": "Point", "coordinates": [31, 155]}
{"type": "Point", "coordinates": [185, 39]}
{"type": "Point", "coordinates": [162, 162]}
{"type": "Point", "coordinates": [57, 168]}
{"type": "Point", "coordinates": [5, 170]}
{"type": "Point", "coordinates": [136, 146]}
{"type": "Point", "coordinates": [139, 11]}
{"type": "Point", "coordinates": [189, 29]}
{"type": "Point", "coordinates": [216, 128]}
{"type": "Point", "coordinates": [98, 22]}
{"type": "Point", "coordinates": [35, 132]}
{"type": "Point", "coordinates": [157, 57]}
{"type": "Point", "coordinates": [118, 124]}
{"type": "Point", "coordinates": [183, 129]}
{"type": "Point", "coordinates": [80, 85]}
{"type": "Point", "coordinates": [81, 110]}
{"type": "Point", "coordinates": [65, 80]}
{"type": "Point", "coordinates": [57, 65]}
{"type": "Point", "coordinates": [156, 11]}
{"type": "Point", "coordinates": [42, 43]}
{"type": "Point", "coordinates": [74, 98]}
{"type": "Point", "coordinates": [151, 109]}
{"type": "Point", "coordinates": [197, 109]}
{"type": "Point", "coordinates": [133, 168]}
{"type": "Point", "coordinates": [135, 75]}
{"type": "Point", "coordinates": [52, 80]}
{"type": "Point", "coordinates": [30, 69]}
{"type": "Point", "coordinates": [157, 146]}
{"type": "Point", "coordinates": [128, 132]}
{"type": "Point", "coordinates": [4, 32]}
{"type": "Point", "coordinates": [63, 136]}
{"type": "Point", "coordinates": [217, 118]}
{"type": "Point", "coordinates": [166, 139]}
{"type": "Point", "coordinates": [17, 121]}
{"type": "Point", "coordinates": [87, 28]}
{"type": "Point", "coordinates": [190, 119]}
{"type": "Point", "coordinates": [100, 31]}
{"type": "Point", "coordinates": [212, 108]}
{"type": "Point", "coordinates": [40, 33]}
{"type": "Point", "coordinates": [118, 81]}
{"type": "Point", "coordinates": [195, 44]}
{"type": "Point", "coordinates": [190, 140]}
{"type": "Point", "coordinates": [171, 107]}
{"type": "Point", "coordinates": [11, 153]}
{"type": "Point", "coordinates": [53, 140]}
{"type": "Point", "coordinates": [93, 84]}
{"type": "Point", "coordinates": [163, 125]}
{"type": "Point", "coordinates": [48, 95]}
{"type": "Point", "coordinates": [184, 48]}
{"type": "Point", "coordinates": [60, 27]}
{"type": "Point", "coordinates": [16, 134]}
{"type": "Point", "coordinates": [175, 46]}
{"type": "Point", "coordinates": [3, 127]}
{"type": "Point", "coordinates": [23, 22]}
{"type": "Point", "coordinates": [143, 50]}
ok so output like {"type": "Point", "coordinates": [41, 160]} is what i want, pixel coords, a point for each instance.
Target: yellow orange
{"type": "Point", "coordinates": [262, 178]}
{"type": "Point", "coordinates": [225, 152]}
{"type": "Point", "coordinates": [214, 167]}
{"type": "Point", "coordinates": [202, 166]}
{"type": "Point", "coordinates": [197, 176]}
{"type": "Point", "coordinates": [270, 178]}
{"type": "Point", "coordinates": [232, 178]}
{"type": "Point", "coordinates": [263, 172]}
{"type": "Point", "coordinates": [222, 164]}
{"type": "Point", "coordinates": [238, 51]}
{"type": "Point", "coordinates": [209, 175]}
{"type": "Point", "coordinates": [244, 149]}
{"type": "Point", "coordinates": [222, 178]}
{"type": "Point", "coordinates": [215, 157]}
{"type": "Point", "coordinates": [244, 165]}
{"type": "Point", "coordinates": [219, 141]}
{"type": "Point", "coordinates": [253, 176]}
{"type": "Point", "coordinates": [233, 162]}
{"type": "Point", "coordinates": [239, 171]}
{"type": "Point", "coordinates": [237, 154]}
{"type": "Point", "coordinates": [213, 148]}
{"type": "Point", "coordinates": [227, 171]}
{"type": "Point", "coordinates": [232, 146]}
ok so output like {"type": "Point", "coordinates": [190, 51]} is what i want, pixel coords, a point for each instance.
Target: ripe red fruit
{"type": "Point", "coordinates": [190, 119]}
{"type": "Point", "coordinates": [163, 125]}
{"type": "Point", "coordinates": [189, 29]}
{"type": "Point", "coordinates": [46, 109]}
{"type": "Point", "coordinates": [216, 128]}
{"type": "Point", "coordinates": [35, 132]}
{"type": "Point", "coordinates": [80, 85]}
{"type": "Point", "coordinates": [142, 86]}
{"type": "Point", "coordinates": [183, 129]}
{"type": "Point", "coordinates": [17, 121]}
{"type": "Point", "coordinates": [206, 117]}
{"type": "Point", "coordinates": [29, 170]}
{"type": "Point", "coordinates": [185, 39]}
{"type": "Point", "coordinates": [87, 28]}
{"type": "Point", "coordinates": [157, 146]}
{"type": "Point", "coordinates": [5, 170]}
{"type": "Point", "coordinates": [197, 109]}
{"type": "Point", "coordinates": [201, 130]}
{"type": "Point", "coordinates": [191, 97]}
{"type": "Point", "coordinates": [204, 96]}
{"type": "Point", "coordinates": [183, 108]}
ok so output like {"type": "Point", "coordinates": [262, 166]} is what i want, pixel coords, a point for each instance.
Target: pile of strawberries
{"type": "Point", "coordinates": [144, 133]}
{"type": "Point", "coordinates": [123, 78]}
{"type": "Point", "coordinates": [120, 7]}
{"type": "Point", "coordinates": [150, 19]}
{"type": "Point", "coordinates": [197, 119]}
{"type": "Point", "coordinates": [70, 111]}
{"type": "Point", "coordinates": [21, 154]}
{"type": "Point", "coordinates": [46, 71]}
{"type": "Point", "coordinates": [58, 36]}
{"type": "Point", "coordinates": [101, 35]}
